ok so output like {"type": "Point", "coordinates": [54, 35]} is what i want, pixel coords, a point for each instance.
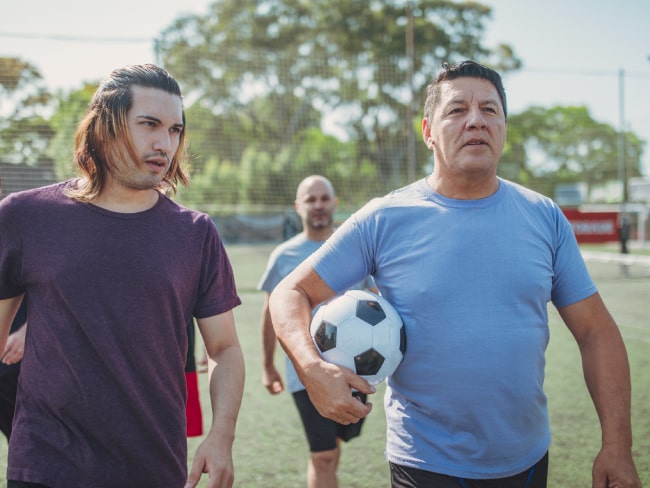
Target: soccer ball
{"type": "Point", "coordinates": [361, 331]}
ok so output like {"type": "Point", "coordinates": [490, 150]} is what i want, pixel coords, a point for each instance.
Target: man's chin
{"type": "Point", "coordinates": [321, 224]}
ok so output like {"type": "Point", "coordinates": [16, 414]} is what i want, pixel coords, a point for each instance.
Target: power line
{"type": "Point", "coordinates": [578, 72]}
{"type": "Point", "coordinates": [66, 38]}
{"type": "Point", "coordinates": [139, 40]}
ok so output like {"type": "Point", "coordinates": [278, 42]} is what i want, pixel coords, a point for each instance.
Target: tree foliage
{"type": "Point", "coordinates": [24, 101]}
{"type": "Point", "coordinates": [70, 108]}
{"type": "Point", "coordinates": [271, 70]}
{"type": "Point", "coordinates": [548, 146]}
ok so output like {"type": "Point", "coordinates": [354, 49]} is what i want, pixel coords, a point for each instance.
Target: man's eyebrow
{"type": "Point", "coordinates": [456, 101]}
{"type": "Point", "coordinates": [490, 101]}
{"type": "Point", "coordinates": [150, 117]}
{"type": "Point", "coordinates": [461, 101]}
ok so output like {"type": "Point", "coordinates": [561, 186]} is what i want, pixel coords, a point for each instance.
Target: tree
{"type": "Point", "coordinates": [310, 59]}
{"type": "Point", "coordinates": [547, 146]}
{"type": "Point", "coordinates": [70, 109]}
{"type": "Point", "coordinates": [24, 102]}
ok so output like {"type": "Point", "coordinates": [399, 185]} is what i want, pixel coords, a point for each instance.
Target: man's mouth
{"type": "Point", "coordinates": [475, 142]}
{"type": "Point", "coordinates": [158, 161]}
{"type": "Point", "coordinates": [156, 164]}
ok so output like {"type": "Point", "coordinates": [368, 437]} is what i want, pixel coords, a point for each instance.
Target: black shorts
{"type": "Point", "coordinates": [322, 432]}
{"type": "Point", "coordinates": [8, 389]}
{"type": "Point", "coordinates": [405, 477]}
{"type": "Point", "coordinates": [23, 484]}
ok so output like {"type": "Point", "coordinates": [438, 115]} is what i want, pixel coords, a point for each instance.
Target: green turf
{"type": "Point", "coordinates": [615, 247]}
{"type": "Point", "coordinates": [270, 449]}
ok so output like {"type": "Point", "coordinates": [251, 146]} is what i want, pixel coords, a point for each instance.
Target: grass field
{"type": "Point", "coordinates": [271, 452]}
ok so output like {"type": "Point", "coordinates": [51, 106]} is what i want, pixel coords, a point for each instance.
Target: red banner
{"type": "Point", "coordinates": [593, 227]}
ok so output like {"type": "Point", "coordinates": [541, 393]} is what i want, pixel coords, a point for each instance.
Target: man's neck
{"type": "Point", "coordinates": [319, 235]}
{"type": "Point", "coordinates": [124, 200]}
{"type": "Point", "coordinates": [463, 189]}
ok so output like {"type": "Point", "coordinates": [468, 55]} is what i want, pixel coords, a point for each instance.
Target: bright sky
{"type": "Point", "coordinates": [572, 50]}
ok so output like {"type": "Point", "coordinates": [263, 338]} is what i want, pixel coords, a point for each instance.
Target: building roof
{"type": "Point", "coordinates": [18, 177]}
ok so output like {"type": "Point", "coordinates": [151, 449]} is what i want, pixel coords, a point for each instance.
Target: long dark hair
{"type": "Point", "coordinates": [106, 121]}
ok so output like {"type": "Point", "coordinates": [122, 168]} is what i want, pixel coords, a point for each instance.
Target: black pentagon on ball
{"type": "Point", "coordinates": [402, 339]}
{"type": "Point", "coordinates": [370, 311]}
{"type": "Point", "coordinates": [325, 336]}
{"type": "Point", "coordinates": [368, 363]}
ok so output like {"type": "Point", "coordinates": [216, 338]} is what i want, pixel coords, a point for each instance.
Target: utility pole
{"type": "Point", "coordinates": [623, 224]}
{"type": "Point", "coordinates": [622, 166]}
{"type": "Point", "coordinates": [410, 53]}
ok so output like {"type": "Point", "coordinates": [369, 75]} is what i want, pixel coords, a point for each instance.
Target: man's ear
{"type": "Point", "coordinates": [426, 134]}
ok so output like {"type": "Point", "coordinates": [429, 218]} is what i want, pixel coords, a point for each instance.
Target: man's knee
{"type": "Point", "coordinates": [325, 460]}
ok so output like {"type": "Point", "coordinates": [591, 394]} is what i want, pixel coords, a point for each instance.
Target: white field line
{"type": "Point", "coordinates": [610, 257]}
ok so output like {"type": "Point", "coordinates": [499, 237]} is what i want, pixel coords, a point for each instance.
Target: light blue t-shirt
{"type": "Point", "coordinates": [471, 280]}
{"type": "Point", "coordinates": [282, 261]}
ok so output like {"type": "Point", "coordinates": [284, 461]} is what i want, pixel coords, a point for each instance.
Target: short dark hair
{"type": "Point", "coordinates": [105, 121]}
{"type": "Point", "coordinates": [468, 69]}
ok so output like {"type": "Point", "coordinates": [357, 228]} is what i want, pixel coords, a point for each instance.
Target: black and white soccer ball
{"type": "Point", "coordinates": [360, 331]}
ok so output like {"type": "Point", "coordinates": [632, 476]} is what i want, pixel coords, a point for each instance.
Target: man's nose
{"type": "Point", "coordinates": [476, 118]}
{"type": "Point", "coordinates": [163, 142]}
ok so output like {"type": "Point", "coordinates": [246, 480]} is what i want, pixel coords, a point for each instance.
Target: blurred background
{"type": "Point", "coordinates": [278, 89]}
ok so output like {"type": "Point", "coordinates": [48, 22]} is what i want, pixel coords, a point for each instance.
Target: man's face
{"type": "Point", "coordinates": [468, 127]}
{"type": "Point", "coordinates": [155, 122]}
{"type": "Point", "coordinates": [315, 204]}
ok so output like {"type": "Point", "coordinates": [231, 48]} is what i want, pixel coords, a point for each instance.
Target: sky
{"type": "Point", "coordinates": [574, 52]}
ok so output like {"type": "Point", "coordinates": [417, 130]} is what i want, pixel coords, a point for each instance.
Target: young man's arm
{"type": "Point", "coordinates": [226, 376]}
{"type": "Point", "coordinates": [8, 309]}
{"type": "Point", "coordinates": [607, 375]}
{"type": "Point", "coordinates": [15, 347]}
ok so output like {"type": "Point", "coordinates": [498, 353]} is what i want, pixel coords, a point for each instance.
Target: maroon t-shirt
{"type": "Point", "coordinates": [101, 400]}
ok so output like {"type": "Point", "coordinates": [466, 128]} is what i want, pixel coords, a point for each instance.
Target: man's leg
{"type": "Point", "coordinates": [324, 437]}
{"type": "Point", "coordinates": [321, 468]}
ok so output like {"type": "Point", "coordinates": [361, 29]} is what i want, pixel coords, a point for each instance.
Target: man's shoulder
{"type": "Point", "coordinates": [48, 191]}
{"type": "Point", "coordinates": [293, 251]}
{"type": "Point", "coordinates": [179, 210]}
{"type": "Point", "coordinates": [412, 195]}
{"type": "Point", "coordinates": [284, 258]}
{"type": "Point", "coordinates": [296, 242]}
{"type": "Point", "coordinates": [415, 190]}
{"type": "Point", "coordinates": [519, 191]}
{"type": "Point", "coordinates": [37, 197]}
